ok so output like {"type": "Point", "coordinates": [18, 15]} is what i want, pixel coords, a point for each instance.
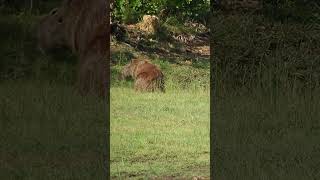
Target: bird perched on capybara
{"type": "Point", "coordinates": [83, 27]}
{"type": "Point", "coordinates": [147, 76]}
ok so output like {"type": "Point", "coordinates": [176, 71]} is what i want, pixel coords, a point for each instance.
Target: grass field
{"type": "Point", "coordinates": [48, 131]}
{"type": "Point", "coordinates": [162, 135]}
{"type": "Point", "coordinates": [159, 135]}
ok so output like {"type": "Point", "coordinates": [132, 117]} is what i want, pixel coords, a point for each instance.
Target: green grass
{"type": "Point", "coordinates": [156, 134]}
{"type": "Point", "coordinates": [178, 77]}
{"type": "Point", "coordinates": [48, 132]}
{"type": "Point", "coordinates": [161, 134]}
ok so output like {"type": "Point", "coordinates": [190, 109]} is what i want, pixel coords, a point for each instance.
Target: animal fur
{"type": "Point", "coordinates": [147, 77]}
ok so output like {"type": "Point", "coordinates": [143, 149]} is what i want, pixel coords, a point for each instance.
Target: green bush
{"type": "Point", "coordinates": [131, 11]}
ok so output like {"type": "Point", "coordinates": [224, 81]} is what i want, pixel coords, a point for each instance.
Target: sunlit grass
{"type": "Point", "coordinates": [156, 134]}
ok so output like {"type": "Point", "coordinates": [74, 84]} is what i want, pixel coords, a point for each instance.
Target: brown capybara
{"type": "Point", "coordinates": [147, 77]}
{"type": "Point", "coordinates": [83, 27]}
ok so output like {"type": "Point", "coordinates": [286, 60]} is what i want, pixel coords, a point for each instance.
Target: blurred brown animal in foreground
{"type": "Point", "coordinates": [83, 27]}
{"type": "Point", "coordinates": [148, 77]}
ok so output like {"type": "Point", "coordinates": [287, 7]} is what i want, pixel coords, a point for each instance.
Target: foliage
{"type": "Point", "coordinates": [131, 11]}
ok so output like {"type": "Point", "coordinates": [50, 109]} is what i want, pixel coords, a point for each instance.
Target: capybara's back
{"type": "Point", "coordinates": [147, 76]}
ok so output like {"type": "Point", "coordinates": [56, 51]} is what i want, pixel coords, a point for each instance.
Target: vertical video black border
{"type": "Point", "coordinates": [211, 90]}
{"type": "Point", "coordinates": [106, 153]}
{"type": "Point", "coordinates": [213, 143]}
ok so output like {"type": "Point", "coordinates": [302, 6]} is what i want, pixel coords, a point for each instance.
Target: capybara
{"type": "Point", "coordinates": [147, 76]}
{"type": "Point", "coordinates": [83, 27]}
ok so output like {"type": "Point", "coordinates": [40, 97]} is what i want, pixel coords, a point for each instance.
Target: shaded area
{"type": "Point", "coordinates": [172, 46]}
{"type": "Point", "coordinates": [182, 69]}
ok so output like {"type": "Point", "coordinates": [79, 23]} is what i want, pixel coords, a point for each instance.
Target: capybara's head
{"type": "Point", "coordinates": [128, 70]}
{"type": "Point", "coordinates": [125, 73]}
{"type": "Point", "coordinates": [51, 30]}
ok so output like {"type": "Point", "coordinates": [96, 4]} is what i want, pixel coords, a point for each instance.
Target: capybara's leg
{"type": "Point", "coordinates": [151, 86]}
{"type": "Point", "coordinates": [141, 84]}
{"type": "Point", "coordinates": [138, 84]}
{"type": "Point", "coordinates": [156, 85]}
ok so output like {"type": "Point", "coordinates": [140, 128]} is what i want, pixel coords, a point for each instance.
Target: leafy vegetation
{"type": "Point", "coordinates": [132, 11]}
